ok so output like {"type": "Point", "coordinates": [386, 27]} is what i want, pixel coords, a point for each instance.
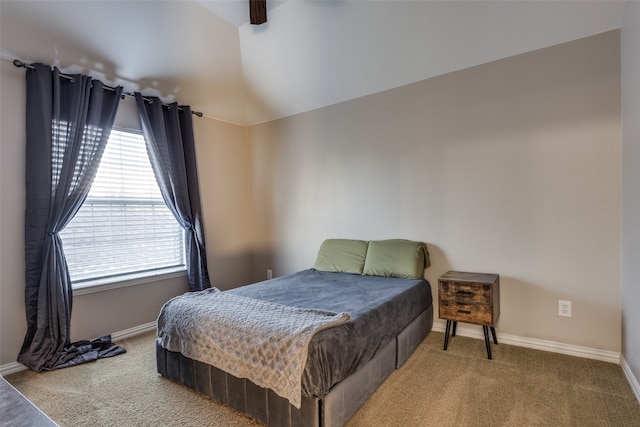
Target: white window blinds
{"type": "Point", "coordinates": [124, 226]}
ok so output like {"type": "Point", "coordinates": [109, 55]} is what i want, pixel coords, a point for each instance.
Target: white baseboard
{"type": "Point", "coordinates": [132, 332]}
{"type": "Point", "coordinates": [633, 382]}
{"type": "Point", "coordinates": [473, 331]}
{"type": "Point", "coordinates": [13, 367]}
{"type": "Point", "coordinates": [462, 330]}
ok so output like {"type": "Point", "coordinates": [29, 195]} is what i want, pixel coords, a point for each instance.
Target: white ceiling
{"type": "Point", "coordinates": [310, 53]}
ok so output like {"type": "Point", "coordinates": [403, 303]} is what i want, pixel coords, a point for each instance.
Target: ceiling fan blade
{"type": "Point", "coordinates": [258, 11]}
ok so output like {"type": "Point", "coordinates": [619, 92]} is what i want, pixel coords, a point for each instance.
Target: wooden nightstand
{"type": "Point", "coordinates": [471, 298]}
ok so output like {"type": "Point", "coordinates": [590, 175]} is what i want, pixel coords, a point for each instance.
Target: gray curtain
{"type": "Point", "coordinates": [68, 125]}
{"type": "Point", "coordinates": [168, 132]}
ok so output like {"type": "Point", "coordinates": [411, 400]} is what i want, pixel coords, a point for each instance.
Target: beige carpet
{"type": "Point", "coordinates": [457, 387]}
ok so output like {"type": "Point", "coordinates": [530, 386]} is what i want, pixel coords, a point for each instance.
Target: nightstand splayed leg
{"type": "Point", "coordinates": [487, 343]}
{"type": "Point", "coordinates": [446, 334]}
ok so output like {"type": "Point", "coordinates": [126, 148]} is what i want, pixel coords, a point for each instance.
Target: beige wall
{"type": "Point", "coordinates": [12, 155]}
{"type": "Point", "coordinates": [630, 265]}
{"type": "Point", "coordinates": [512, 167]}
{"type": "Point", "coordinates": [223, 171]}
{"type": "Point", "coordinates": [223, 164]}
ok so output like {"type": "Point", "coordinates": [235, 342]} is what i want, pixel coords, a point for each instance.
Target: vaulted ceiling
{"type": "Point", "coordinates": [310, 53]}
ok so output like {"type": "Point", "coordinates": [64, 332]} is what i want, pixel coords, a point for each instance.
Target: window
{"type": "Point", "coordinates": [124, 227]}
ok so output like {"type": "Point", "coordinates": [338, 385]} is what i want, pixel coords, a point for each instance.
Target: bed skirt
{"type": "Point", "coordinates": [263, 405]}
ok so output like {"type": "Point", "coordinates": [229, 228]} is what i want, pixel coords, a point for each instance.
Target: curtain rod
{"type": "Point", "coordinates": [21, 64]}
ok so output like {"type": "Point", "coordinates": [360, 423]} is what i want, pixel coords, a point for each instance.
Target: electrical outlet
{"type": "Point", "coordinates": [564, 308]}
{"type": "Point", "coordinates": [269, 273]}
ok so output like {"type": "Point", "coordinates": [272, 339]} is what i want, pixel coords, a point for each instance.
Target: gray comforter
{"type": "Point", "coordinates": [380, 308]}
{"type": "Point", "coordinates": [249, 338]}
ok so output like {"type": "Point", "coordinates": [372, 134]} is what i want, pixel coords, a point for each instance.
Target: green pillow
{"type": "Point", "coordinates": [342, 256]}
{"type": "Point", "coordinates": [396, 258]}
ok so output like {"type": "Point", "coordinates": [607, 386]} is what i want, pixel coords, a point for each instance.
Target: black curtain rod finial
{"type": "Point", "coordinates": [21, 64]}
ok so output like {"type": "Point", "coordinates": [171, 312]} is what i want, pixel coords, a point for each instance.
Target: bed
{"type": "Point", "coordinates": [369, 308]}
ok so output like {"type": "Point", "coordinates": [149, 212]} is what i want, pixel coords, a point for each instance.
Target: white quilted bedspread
{"type": "Point", "coordinates": [264, 342]}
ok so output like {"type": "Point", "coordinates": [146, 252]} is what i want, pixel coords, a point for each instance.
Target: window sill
{"type": "Point", "coordinates": [127, 280]}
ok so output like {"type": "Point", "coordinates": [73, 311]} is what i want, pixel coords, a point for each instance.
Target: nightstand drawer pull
{"type": "Point", "coordinates": [464, 311]}
{"type": "Point", "coordinates": [464, 293]}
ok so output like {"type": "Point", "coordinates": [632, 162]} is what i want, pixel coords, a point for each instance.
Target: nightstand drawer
{"type": "Point", "coordinates": [472, 313]}
{"type": "Point", "coordinates": [465, 292]}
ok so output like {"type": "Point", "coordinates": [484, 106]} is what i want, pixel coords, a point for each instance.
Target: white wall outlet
{"type": "Point", "coordinates": [269, 273]}
{"type": "Point", "coordinates": [564, 308]}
